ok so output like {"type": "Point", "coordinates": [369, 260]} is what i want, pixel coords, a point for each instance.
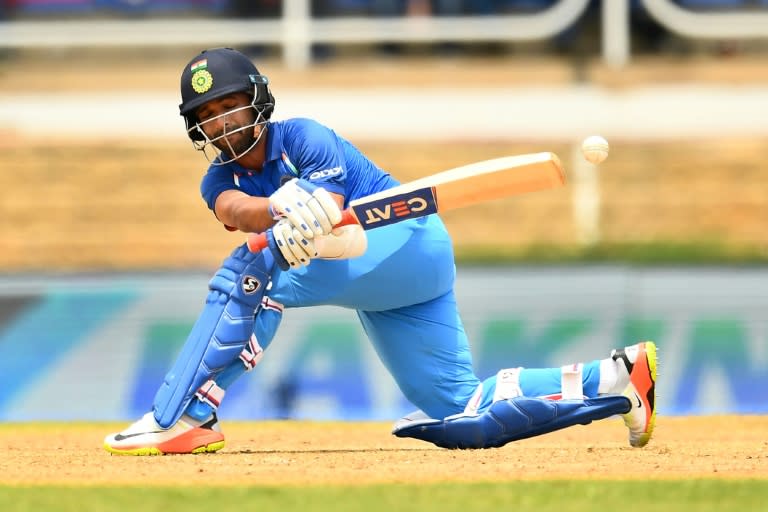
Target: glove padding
{"type": "Point", "coordinates": [309, 208]}
{"type": "Point", "coordinates": [289, 247]}
{"type": "Point", "coordinates": [291, 250]}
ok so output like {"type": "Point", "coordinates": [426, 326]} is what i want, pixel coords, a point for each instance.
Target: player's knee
{"type": "Point", "coordinates": [243, 276]}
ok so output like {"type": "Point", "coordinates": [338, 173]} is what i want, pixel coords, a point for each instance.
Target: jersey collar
{"type": "Point", "coordinates": [274, 142]}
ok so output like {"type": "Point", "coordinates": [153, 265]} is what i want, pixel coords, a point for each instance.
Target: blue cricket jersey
{"type": "Point", "coordinates": [398, 256]}
{"type": "Point", "coordinates": [301, 148]}
{"type": "Point", "coordinates": [401, 288]}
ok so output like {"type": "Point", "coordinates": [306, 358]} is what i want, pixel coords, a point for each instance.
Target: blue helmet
{"type": "Point", "coordinates": [218, 72]}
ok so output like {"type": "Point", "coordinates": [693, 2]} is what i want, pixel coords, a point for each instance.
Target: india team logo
{"type": "Point", "coordinates": [202, 81]}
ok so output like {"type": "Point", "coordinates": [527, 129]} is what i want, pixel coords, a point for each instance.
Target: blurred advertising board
{"type": "Point", "coordinates": [97, 347]}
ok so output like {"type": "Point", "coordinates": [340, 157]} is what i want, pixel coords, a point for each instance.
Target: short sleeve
{"type": "Point", "coordinates": [317, 153]}
{"type": "Point", "coordinates": [216, 180]}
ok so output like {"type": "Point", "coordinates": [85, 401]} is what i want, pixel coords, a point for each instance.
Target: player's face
{"type": "Point", "coordinates": [228, 122]}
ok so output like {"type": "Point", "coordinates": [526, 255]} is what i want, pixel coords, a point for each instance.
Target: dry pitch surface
{"type": "Point", "coordinates": [297, 453]}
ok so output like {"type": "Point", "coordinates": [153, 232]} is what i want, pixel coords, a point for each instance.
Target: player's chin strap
{"type": "Point", "coordinates": [219, 336]}
{"type": "Point", "coordinates": [511, 416]}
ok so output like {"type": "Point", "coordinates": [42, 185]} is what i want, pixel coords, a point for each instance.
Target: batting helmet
{"type": "Point", "coordinates": [218, 72]}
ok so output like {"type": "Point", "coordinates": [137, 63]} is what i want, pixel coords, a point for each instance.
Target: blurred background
{"type": "Point", "coordinates": [106, 246]}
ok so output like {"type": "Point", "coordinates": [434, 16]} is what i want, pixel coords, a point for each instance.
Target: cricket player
{"type": "Point", "coordinates": [291, 179]}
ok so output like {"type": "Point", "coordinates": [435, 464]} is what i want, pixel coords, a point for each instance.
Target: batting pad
{"type": "Point", "coordinates": [221, 332]}
{"type": "Point", "coordinates": [511, 420]}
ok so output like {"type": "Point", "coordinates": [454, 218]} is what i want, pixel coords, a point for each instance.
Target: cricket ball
{"type": "Point", "coordinates": [595, 149]}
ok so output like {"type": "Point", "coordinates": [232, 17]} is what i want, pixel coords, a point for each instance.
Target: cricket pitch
{"type": "Point", "coordinates": [317, 453]}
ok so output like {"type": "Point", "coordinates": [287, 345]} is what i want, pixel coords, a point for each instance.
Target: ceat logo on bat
{"type": "Point", "coordinates": [417, 203]}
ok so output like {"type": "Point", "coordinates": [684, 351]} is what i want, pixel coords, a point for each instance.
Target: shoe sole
{"type": "Point", "coordinates": [148, 451]}
{"type": "Point", "coordinates": [204, 441]}
{"type": "Point", "coordinates": [650, 357]}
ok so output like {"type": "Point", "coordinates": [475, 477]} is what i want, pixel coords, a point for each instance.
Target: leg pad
{"type": "Point", "coordinates": [219, 335]}
{"type": "Point", "coordinates": [511, 420]}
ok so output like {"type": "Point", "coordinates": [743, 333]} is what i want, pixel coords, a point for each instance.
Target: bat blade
{"type": "Point", "coordinates": [463, 186]}
{"type": "Point", "coordinates": [448, 190]}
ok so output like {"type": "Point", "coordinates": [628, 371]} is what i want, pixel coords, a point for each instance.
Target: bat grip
{"type": "Point", "coordinates": [258, 241]}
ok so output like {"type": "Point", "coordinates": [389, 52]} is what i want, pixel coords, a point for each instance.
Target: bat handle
{"type": "Point", "coordinates": [258, 241]}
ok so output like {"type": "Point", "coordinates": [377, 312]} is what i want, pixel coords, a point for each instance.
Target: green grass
{"type": "Point", "coordinates": [540, 496]}
{"type": "Point", "coordinates": [651, 253]}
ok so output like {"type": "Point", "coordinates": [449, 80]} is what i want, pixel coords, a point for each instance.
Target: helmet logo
{"type": "Point", "coordinates": [202, 81]}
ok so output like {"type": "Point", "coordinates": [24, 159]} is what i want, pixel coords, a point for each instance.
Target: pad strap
{"type": "Point", "coordinates": [251, 354]}
{"type": "Point", "coordinates": [210, 393]}
{"type": "Point", "coordinates": [571, 383]}
{"type": "Point", "coordinates": [507, 384]}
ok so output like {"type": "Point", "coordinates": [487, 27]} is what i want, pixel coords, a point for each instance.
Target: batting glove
{"type": "Point", "coordinates": [309, 208]}
{"type": "Point", "coordinates": [289, 247]}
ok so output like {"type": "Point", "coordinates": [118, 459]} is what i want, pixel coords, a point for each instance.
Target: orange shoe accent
{"type": "Point", "coordinates": [192, 441]}
{"type": "Point", "coordinates": [643, 377]}
{"type": "Point", "coordinates": [640, 362]}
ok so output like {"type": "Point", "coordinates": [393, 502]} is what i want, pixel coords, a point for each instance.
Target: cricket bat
{"type": "Point", "coordinates": [448, 190]}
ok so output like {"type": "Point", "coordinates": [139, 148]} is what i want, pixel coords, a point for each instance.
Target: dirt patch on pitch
{"type": "Point", "coordinates": [297, 453]}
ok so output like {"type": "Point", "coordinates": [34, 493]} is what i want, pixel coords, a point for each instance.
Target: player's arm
{"type": "Point", "coordinates": [251, 214]}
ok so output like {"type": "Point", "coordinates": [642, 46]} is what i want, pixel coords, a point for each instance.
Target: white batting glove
{"type": "Point", "coordinates": [309, 208]}
{"type": "Point", "coordinates": [342, 243]}
{"type": "Point", "coordinates": [293, 246]}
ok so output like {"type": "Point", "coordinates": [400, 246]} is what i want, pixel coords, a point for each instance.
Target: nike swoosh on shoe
{"type": "Point", "coordinates": [123, 437]}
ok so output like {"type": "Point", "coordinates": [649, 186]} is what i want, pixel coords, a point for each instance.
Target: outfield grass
{"type": "Point", "coordinates": [540, 496]}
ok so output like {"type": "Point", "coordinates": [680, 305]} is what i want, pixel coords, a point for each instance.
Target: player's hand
{"type": "Point", "coordinates": [309, 208]}
{"type": "Point", "coordinates": [342, 243]}
{"type": "Point", "coordinates": [289, 247]}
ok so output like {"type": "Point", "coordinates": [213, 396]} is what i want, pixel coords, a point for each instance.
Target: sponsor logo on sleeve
{"type": "Point", "coordinates": [326, 173]}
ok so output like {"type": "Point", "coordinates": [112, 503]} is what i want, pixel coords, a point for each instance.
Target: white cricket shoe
{"type": "Point", "coordinates": [146, 437]}
{"type": "Point", "coordinates": [640, 362]}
